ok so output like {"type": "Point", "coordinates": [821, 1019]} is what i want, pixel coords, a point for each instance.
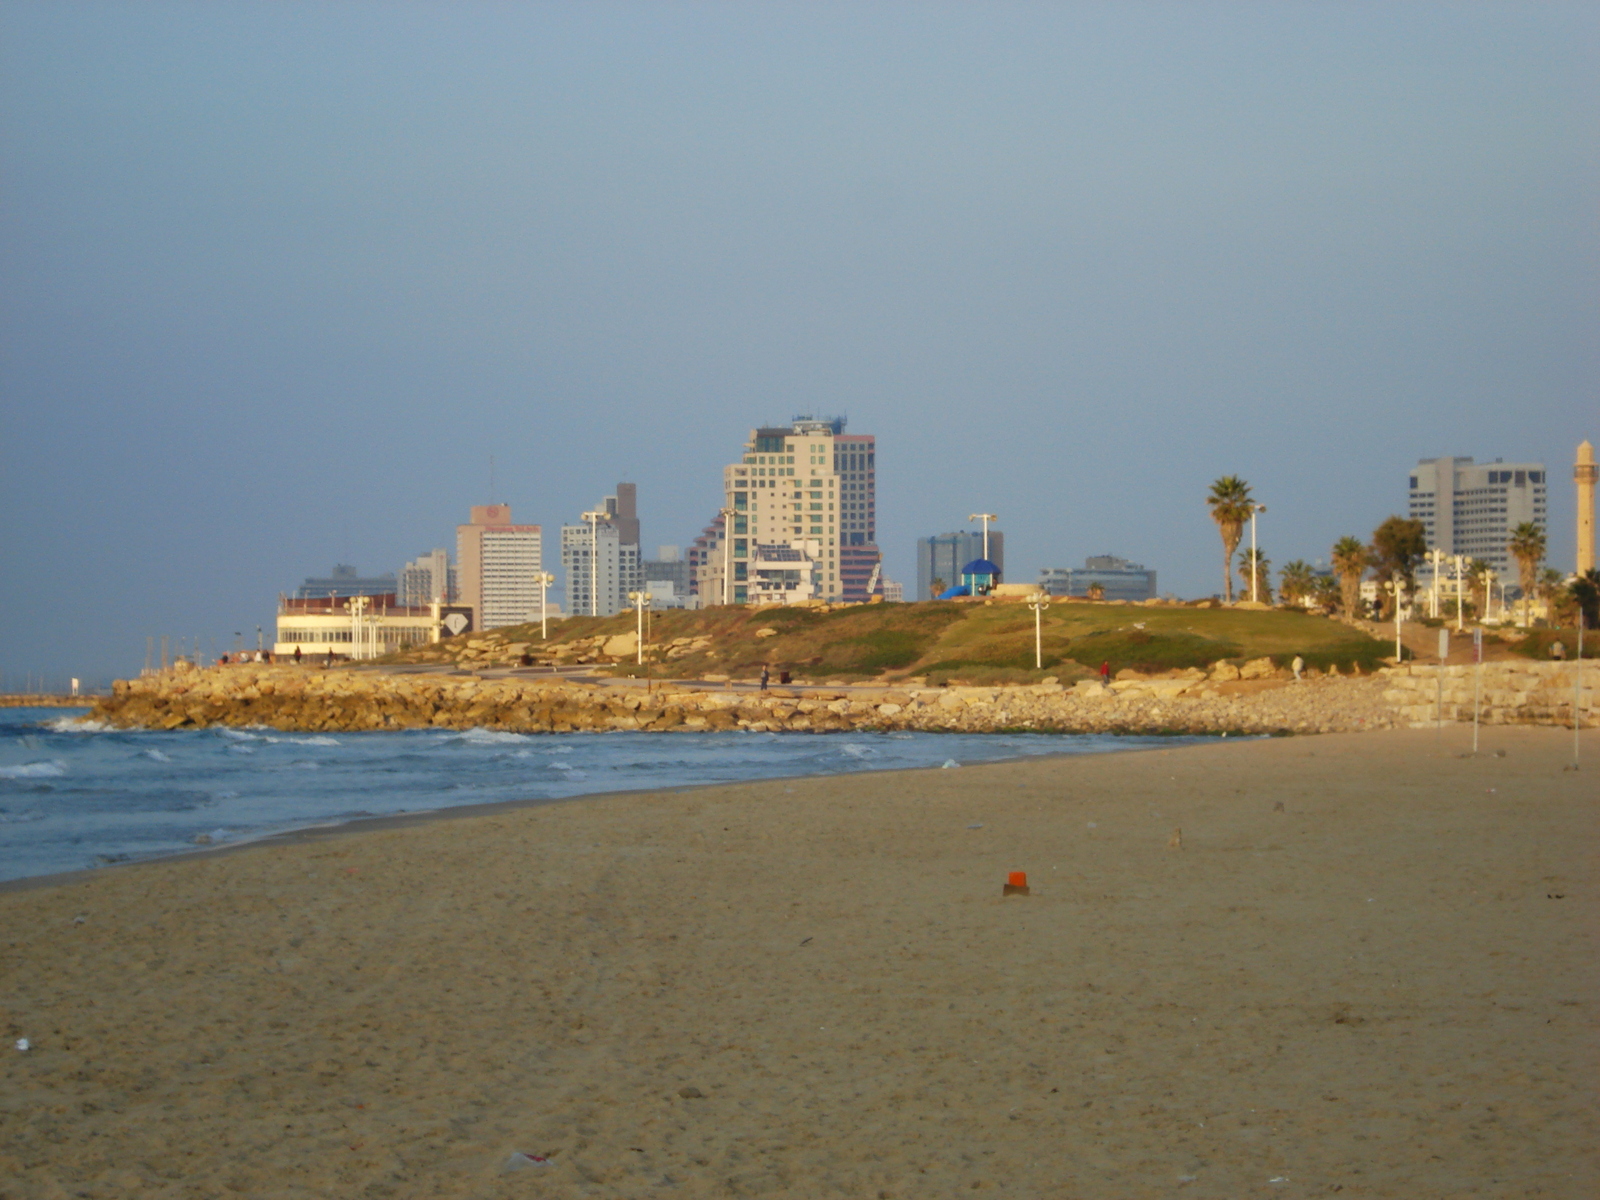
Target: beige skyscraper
{"type": "Point", "coordinates": [783, 492]}
{"type": "Point", "coordinates": [497, 567]}
{"type": "Point", "coordinates": [1584, 472]}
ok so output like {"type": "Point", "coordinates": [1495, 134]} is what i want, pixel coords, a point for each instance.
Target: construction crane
{"type": "Point", "coordinates": [877, 572]}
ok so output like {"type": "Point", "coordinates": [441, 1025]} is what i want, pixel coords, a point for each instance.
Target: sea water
{"type": "Point", "coordinates": [75, 795]}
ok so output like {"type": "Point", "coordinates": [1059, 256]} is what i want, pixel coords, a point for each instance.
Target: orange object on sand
{"type": "Point", "coordinates": [1018, 879]}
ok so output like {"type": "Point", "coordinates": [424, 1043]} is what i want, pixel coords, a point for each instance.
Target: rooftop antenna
{"type": "Point", "coordinates": [491, 479]}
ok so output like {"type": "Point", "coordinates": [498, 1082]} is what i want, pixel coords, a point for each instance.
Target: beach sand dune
{"type": "Point", "coordinates": [1368, 969]}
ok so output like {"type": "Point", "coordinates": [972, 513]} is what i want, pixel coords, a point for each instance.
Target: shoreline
{"type": "Point", "coordinates": [355, 826]}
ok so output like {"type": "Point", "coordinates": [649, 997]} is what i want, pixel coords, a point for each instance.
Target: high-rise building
{"type": "Point", "coordinates": [1118, 578]}
{"type": "Point", "coordinates": [498, 567]}
{"type": "Point", "coordinates": [806, 487]}
{"type": "Point", "coordinates": [602, 564]}
{"type": "Point", "coordinates": [1471, 508]}
{"type": "Point", "coordinates": [430, 578]}
{"type": "Point", "coordinates": [941, 558]}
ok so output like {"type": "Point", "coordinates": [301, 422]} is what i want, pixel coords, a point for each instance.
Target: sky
{"type": "Point", "coordinates": [277, 280]}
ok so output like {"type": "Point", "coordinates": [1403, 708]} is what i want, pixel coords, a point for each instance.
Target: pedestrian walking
{"type": "Point", "coordinates": [765, 675]}
{"type": "Point", "coordinates": [1105, 673]}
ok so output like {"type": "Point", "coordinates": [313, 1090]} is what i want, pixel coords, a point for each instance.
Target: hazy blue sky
{"type": "Point", "coordinates": [278, 278]}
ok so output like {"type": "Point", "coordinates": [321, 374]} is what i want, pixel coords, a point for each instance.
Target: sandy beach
{"type": "Point", "coordinates": [1366, 967]}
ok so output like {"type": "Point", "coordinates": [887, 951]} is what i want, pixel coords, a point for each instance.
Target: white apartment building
{"type": "Point", "coordinates": [784, 492]}
{"type": "Point", "coordinates": [499, 564]}
{"type": "Point", "coordinates": [429, 579]}
{"type": "Point", "coordinates": [1471, 508]}
{"type": "Point", "coordinates": [600, 569]}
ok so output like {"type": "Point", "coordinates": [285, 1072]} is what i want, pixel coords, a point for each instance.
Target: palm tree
{"type": "Point", "coordinates": [1096, 591]}
{"type": "Point", "coordinates": [1263, 574]}
{"type": "Point", "coordinates": [1350, 564]}
{"type": "Point", "coordinates": [1478, 572]}
{"type": "Point", "coordinates": [1527, 546]}
{"type": "Point", "coordinates": [1230, 506]}
{"type": "Point", "coordinates": [1325, 591]}
{"type": "Point", "coordinates": [1296, 581]}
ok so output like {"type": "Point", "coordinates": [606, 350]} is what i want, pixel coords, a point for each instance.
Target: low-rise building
{"type": "Point", "coordinates": [358, 627]}
{"type": "Point", "coordinates": [1117, 578]}
{"type": "Point", "coordinates": [344, 580]}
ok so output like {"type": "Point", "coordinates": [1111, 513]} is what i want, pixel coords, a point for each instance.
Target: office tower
{"type": "Point", "coordinates": [942, 557]}
{"type": "Point", "coordinates": [344, 580]}
{"type": "Point", "coordinates": [1120, 579]}
{"type": "Point", "coordinates": [1471, 508]}
{"type": "Point", "coordinates": [497, 567]}
{"type": "Point", "coordinates": [430, 578]}
{"type": "Point", "coordinates": [1583, 474]}
{"type": "Point", "coordinates": [600, 555]}
{"type": "Point", "coordinates": [801, 513]}
{"type": "Point", "coordinates": [855, 458]}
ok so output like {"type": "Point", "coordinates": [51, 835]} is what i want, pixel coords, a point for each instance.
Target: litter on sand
{"type": "Point", "coordinates": [521, 1162]}
{"type": "Point", "coordinates": [24, 1044]}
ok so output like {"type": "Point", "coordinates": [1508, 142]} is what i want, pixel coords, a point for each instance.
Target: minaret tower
{"type": "Point", "coordinates": [1584, 472]}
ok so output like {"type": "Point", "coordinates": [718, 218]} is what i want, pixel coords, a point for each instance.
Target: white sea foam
{"type": "Point", "coordinates": [154, 755]}
{"type": "Point", "coordinates": [76, 725]}
{"type": "Point", "coordinates": [239, 735]}
{"type": "Point", "coordinates": [241, 749]}
{"type": "Point", "coordinates": [857, 750]}
{"type": "Point", "coordinates": [490, 737]}
{"type": "Point", "coordinates": [35, 770]}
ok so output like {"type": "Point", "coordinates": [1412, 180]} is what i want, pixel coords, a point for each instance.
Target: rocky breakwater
{"type": "Point", "coordinates": [1252, 699]}
{"type": "Point", "coordinates": [1505, 693]}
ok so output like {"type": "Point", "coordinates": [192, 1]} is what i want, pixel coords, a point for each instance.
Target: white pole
{"type": "Point", "coordinates": [1253, 556]}
{"type": "Point", "coordinates": [1577, 690]}
{"type": "Point", "coordinates": [544, 622]}
{"type": "Point", "coordinates": [1477, 682]}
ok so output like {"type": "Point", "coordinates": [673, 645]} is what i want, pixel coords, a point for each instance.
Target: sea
{"type": "Point", "coordinates": [77, 795]}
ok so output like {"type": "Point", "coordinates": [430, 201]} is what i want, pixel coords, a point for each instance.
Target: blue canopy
{"type": "Point", "coordinates": [980, 566]}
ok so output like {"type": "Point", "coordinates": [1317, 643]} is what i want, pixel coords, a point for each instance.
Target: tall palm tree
{"type": "Point", "coordinates": [1296, 581]}
{"type": "Point", "coordinates": [1527, 546]}
{"type": "Point", "coordinates": [1350, 564]}
{"type": "Point", "coordinates": [1263, 571]}
{"type": "Point", "coordinates": [1230, 506]}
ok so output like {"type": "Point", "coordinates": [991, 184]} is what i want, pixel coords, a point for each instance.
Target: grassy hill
{"type": "Point", "coordinates": [955, 641]}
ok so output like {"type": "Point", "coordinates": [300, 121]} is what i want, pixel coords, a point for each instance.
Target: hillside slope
{"type": "Point", "coordinates": [950, 641]}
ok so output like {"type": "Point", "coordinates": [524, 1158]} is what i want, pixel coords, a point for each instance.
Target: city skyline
{"type": "Point", "coordinates": [278, 282]}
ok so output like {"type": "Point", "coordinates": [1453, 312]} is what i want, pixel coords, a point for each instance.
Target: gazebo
{"type": "Point", "coordinates": [979, 576]}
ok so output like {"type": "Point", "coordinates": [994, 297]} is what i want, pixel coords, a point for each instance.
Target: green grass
{"type": "Point", "coordinates": [963, 642]}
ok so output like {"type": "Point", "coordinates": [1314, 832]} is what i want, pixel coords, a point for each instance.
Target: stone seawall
{"type": "Point", "coordinates": [313, 700]}
{"type": "Point", "coordinates": [1507, 693]}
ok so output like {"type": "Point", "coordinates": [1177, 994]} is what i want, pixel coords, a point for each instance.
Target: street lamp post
{"type": "Point", "coordinates": [1437, 555]}
{"type": "Point", "coordinates": [1461, 579]}
{"type": "Point", "coordinates": [985, 518]}
{"type": "Point", "coordinates": [1397, 589]}
{"type": "Point", "coordinates": [1039, 601]}
{"type": "Point", "coordinates": [545, 580]}
{"type": "Point", "coordinates": [641, 601]}
{"type": "Point", "coordinates": [1255, 561]}
{"type": "Point", "coordinates": [727, 552]}
{"type": "Point", "coordinates": [594, 518]}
